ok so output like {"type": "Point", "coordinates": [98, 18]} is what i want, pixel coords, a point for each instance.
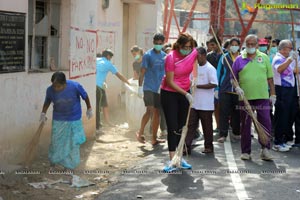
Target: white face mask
{"type": "Point", "coordinates": [250, 50]}
{"type": "Point", "coordinates": [234, 49]}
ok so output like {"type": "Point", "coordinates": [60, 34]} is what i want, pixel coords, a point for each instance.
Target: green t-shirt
{"type": "Point", "coordinates": [253, 77]}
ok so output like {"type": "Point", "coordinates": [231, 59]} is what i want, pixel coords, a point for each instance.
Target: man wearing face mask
{"type": "Point", "coordinates": [283, 66]}
{"type": "Point", "coordinates": [254, 74]}
{"type": "Point", "coordinates": [152, 72]}
{"type": "Point", "coordinates": [103, 66]}
{"type": "Point", "coordinates": [273, 49]}
{"type": "Point", "coordinates": [263, 45]}
{"type": "Point", "coordinates": [137, 54]}
{"type": "Point", "coordinates": [228, 99]}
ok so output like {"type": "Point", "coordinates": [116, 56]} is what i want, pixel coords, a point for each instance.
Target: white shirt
{"type": "Point", "coordinates": [204, 98]}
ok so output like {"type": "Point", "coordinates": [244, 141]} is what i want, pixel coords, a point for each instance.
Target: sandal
{"type": "Point", "coordinates": [139, 138]}
{"type": "Point", "coordinates": [158, 141]}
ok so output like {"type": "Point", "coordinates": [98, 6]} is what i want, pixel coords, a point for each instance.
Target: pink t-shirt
{"type": "Point", "coordinates": [182, 66]}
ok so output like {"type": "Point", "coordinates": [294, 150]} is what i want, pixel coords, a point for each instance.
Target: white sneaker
{"type": "Point", "coordinates": [288, 144]}
{"type": "Point", "coordinates": [280, 148]}
{"type": "Point", "coordinates": [265, 155]}
{"type": "Point", "coordinates": [245, 156]}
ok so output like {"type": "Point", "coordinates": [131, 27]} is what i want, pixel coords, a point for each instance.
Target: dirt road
{"type": "Point", "coordinates": [115, 149]}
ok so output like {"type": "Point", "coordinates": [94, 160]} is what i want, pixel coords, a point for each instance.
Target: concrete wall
{"type": "Point", "coordinates": [23, 93]}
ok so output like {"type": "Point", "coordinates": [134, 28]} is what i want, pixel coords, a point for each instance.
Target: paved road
{"type": "Point", "coordinates": [214, 176]}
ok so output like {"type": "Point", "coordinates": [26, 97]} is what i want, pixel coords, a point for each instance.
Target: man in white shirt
{"type": "Point", "coordinates": [203, 104]}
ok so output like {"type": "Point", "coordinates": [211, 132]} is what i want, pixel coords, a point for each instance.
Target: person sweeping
{"type": "Point", "coordinates": [67, 129]}
{"type": "Point", "coordinates": [175, 92]}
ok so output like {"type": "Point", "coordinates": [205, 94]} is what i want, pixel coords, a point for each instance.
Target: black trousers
{"type": "Point", "coordinates": [229, 112]}
{"type": "Point", "coordinates": [205, 116]}
{"type": "Point", "coordinates": [175, 107]}
{"type": "Point", "coordinates": [285, 113]}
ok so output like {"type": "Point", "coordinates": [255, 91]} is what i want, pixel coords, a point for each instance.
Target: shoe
{"type": "Point", "coordinates": [265, 155]}
{"type": "Point", "coordinates": [158, 141]}
{"type": "Point", "coordinates": [246, 156]}
{"type": "Point", "coordinates": [221, 139]}
{"type": "Point", "coordinates": [280, 148]}
{"type": "Point", "coordinates": [288, 145]}
{"type": "Point", "coordinates": [169, 168]}
{"type": "Point", "coordinates": [163, 134]}
{"type": "Point", "coordinates": [185, 165]}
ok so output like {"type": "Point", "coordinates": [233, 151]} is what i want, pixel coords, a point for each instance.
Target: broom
{"type": "Point", "coordinates": [32, 147]}
{"type": "Point", "coordinates": [176, 160]}
{"type": "Point", "coordinates": [261, 131]}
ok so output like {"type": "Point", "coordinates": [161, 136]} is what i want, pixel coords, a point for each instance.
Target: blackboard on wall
{"type": "Point", "coordinates": [12, 42]}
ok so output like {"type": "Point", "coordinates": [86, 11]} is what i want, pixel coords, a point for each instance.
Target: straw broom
{"type": "Point", "coordinates": [176, 160]}
{"type": "Point", "coordinates": [261, 131]}
{"type": "Point", "coordinates": [32, 147]}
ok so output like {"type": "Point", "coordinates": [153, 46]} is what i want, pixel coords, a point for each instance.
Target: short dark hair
{"type": "Point", "coordinates": [226, 44]}
{"type": "Point", "coordinates": [277, 41]}
{"type": "Point", "coordinates": [98, 55]}
{"type": "Point", "coordinates": [201, 50]}
{"type": "Point", "coordinates": [235, 39]}
{"type": "Point", "coordinates": [214, 40]}
{"type": "Point", "coordinates": [107, 52]}
{"type": "Point", "coordinates": [135, 48]}
{"type": "Point", "coordinates": [158, 36]}
{"type": "Point", "coordinates": [59, 77]}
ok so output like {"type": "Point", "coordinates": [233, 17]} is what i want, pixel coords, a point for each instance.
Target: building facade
{"type": "Point", "coordinates": [38, 37]}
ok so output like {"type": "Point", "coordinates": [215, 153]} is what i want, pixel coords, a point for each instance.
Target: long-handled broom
{"type": "Point", "coordinates": [176, 160]}
{"type": "Point", "coordinates": [32, 147]}
{"type": "Point", "coordinates": [261, 131]}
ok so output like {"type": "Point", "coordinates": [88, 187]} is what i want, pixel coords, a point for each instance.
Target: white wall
{"type": "Point", "coordinates": [110, 35]}
{"type": "Point", "coordinates": [142, 26]}
{"type": "Point", "coordinates": [23, 93]}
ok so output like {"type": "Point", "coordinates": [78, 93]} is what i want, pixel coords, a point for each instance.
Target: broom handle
{"type": "Point", "coordinates": [235, 82]}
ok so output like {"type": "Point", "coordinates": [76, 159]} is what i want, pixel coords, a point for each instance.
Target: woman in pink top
{"type": "Point", "coordinates": [175, 91]}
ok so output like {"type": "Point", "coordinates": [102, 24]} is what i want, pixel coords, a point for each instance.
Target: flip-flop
{"type": "Point", "coordinates": [158, 141]}
{"type": "Point", "coordinates": [139, 138]}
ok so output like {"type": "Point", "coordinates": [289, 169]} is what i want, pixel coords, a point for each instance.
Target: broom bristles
{"type": "Point", "coordinates": [176, 160]}
{"type": "Point", "coordinates": [261, 131]}
{"type": "Point", "coordinates": [32, 147]}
